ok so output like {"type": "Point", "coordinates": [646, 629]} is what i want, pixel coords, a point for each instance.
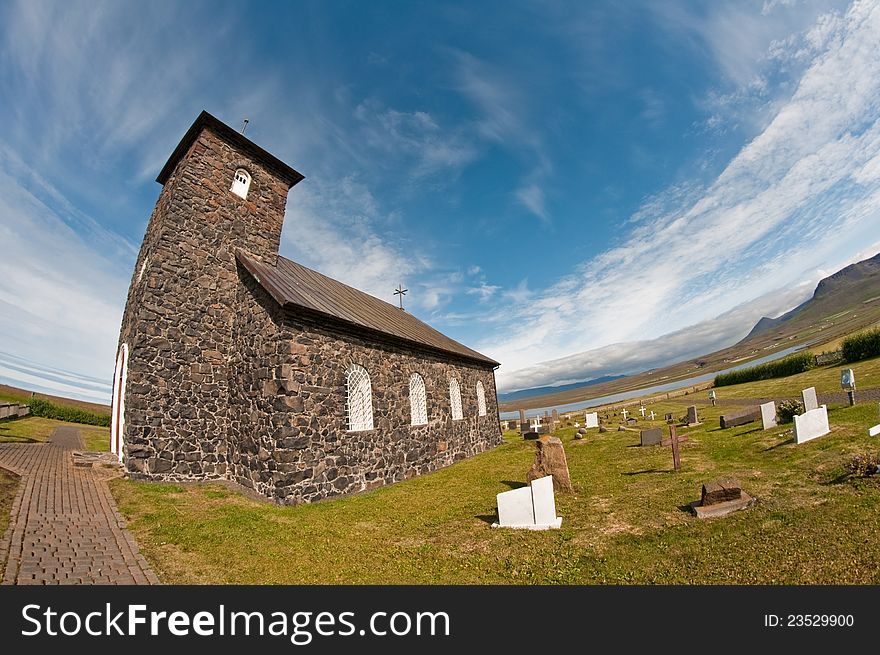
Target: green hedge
{"type": "Point", "coordinates": [46, 409]}
{"type": "Point", "coordinates": [791, 365]}
{"type": "Point", "coordinates": [861, 346]}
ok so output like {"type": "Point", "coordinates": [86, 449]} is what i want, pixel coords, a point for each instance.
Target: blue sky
{"type": "Point", "coordinates": [575, 189]}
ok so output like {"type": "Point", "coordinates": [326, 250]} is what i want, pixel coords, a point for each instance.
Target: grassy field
{"type": "Point", "coordinates": [35, 429]}
{"type": "Point", "coordinates": [626, 522]}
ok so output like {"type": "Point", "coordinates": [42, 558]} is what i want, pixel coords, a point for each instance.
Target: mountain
{"type": "Point", "coordinates": [836, 296]}
{"type": "Point", "coordinates": [540, 391]}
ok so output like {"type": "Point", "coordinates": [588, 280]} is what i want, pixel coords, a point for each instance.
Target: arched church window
{"type": "Point", "coordinates": [418, 402]}
{"type": "Point", "coordinates": [241, 183]}
{"type": "Point", "coordinates": [481, 399]}
{"type": "Point", "coordinates": [360, 399]}
{"type": "Point", "coordinates": [455, 399]}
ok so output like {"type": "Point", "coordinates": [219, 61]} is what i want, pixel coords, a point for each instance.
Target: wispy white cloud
{"type": "Point", "coordinates": [532, 198]}
{"type": "Point", "coordinates": [802, 191]}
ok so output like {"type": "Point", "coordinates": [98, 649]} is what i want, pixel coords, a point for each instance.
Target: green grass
{"type": "Point", "coordinates": [36, 429]}
{"type": "Point", "coordinates": [625, 523]}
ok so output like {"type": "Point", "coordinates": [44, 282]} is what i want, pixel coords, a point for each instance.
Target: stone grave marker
{"type": "Point", "coordinates": [651, 436]}
{"type": "Point", "coordinates": [720, 498]}
{"type": "Point", "coordinates": [873, 432]}
{"type": "Point", "coordinates": [591, 420]}
{"type": "Point", "coordinates": [741, 417]}
{"type": "Point", "coordinates": [712, 397]}
{"type": "Point", "coordinates": [811, 425]}
{"type": "Point", "coordinates": [668, 417]}
{"type": "Point", "coordinates": [692, 417]}
{"type": "Point", "coordinates": [528, 508]}
{"type": "Point", "coordinates": [809, 398]}
{"type": "Point", "coordinates": [550, 460]}
{"type": "Point", "coordinates": [555, 416]}
{"type": "Point", "coordinates": [768, 415]}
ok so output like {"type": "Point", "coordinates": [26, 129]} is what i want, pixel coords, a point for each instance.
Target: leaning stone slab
{"type": "Point", "coordinates": [768, 415]}
{"type": "Point", "coordinates": [809, 398]}
{"type": "Point", "coordinates": [651, 436]}
{"type": "Point", "coordinates": [731, 420]}
{"type": "Point", "coordinates": [692, 417]}
{"type": "Point", "coordinates": [811, 425]}
{"type": "Point", "coordinates": [550, 461]}
{"type": "Point", "coordinates": [529, 508]}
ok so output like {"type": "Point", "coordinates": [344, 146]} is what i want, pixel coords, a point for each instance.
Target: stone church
{"type": "Point", "coordinates": [237, 364]}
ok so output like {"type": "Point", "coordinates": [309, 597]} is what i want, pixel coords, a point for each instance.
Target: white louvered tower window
{"type": "Point", "coordinates": [241, 183]}
{"type": "Point", "coordinates": [481, 399]}
{"type": "Point", "coordinates": [418, 402]}
{"type": "Point", "coordinates": [455, 399]}
{"type": "Point", "coordinates": [360, 399]}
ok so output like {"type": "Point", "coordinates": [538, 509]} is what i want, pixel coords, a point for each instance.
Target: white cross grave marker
{"type": "Point", "coordinates": [624, 413]}
{"type": "Point", "coordinates": [652, 414]}
{"type": "Point", "coordinates": [642, 410]}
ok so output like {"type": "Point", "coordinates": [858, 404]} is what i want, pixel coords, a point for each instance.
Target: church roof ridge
{"type": "Point", "coordinates": [293, 285]}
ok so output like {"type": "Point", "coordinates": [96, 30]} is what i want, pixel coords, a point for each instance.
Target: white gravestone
{"type": "Point", "coordinates": [873, 432]}
{"type": "Point", "coordinates": [529, 508]}
{"type": "Point", "coordinates": [812, 424]}
{"type": "Point", "coordinates": [768, 415]}
{"type": "Point", "coordinates": [809, 398]}
{"type": "Point", "coordinates": [591, 420]}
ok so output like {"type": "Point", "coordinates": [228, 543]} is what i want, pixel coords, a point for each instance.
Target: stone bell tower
{"type": "Point", "coordinates": [221, 193]}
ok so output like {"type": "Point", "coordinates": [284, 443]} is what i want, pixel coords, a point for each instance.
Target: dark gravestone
{"type": "Point", "coordinates": [692, 417]}
{"type": "Point", "coordinates": [720, 492]}
{"type": "Point", "coordinates": [530, 435]}
{"type": "Point", "coordinates": [668, 417]}
{"type": "Point", "coordinates": [741, 417]}
{"type": "Point", "coordinates": [651, 437]}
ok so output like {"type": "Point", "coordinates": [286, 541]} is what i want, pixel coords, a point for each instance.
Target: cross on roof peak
{"type": "Point", "coordinates": [400, 291]}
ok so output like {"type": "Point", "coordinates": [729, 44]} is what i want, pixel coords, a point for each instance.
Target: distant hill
{"type": "Point", "coordinates": [540, 391]}
{"type": "Point", "coordinates": [835, 296]}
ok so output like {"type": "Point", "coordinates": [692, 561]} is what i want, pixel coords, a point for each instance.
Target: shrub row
{"type": "Point", "coordinates": [861, 346]}
{"type": "Point", "coordinates": [791, 365]}
{"type": "Point", "coordinates": [46, 409]}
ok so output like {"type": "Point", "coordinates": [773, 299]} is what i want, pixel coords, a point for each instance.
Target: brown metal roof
{"type": "Point", "coordinates": [294, 285]}
{"type": "Point", "coordinates": [235, 138]}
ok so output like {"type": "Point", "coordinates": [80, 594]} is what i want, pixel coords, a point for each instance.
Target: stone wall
{"type": "Point", "coordinates": [222, 383]}
{"type": "Point", "coordinates": [178, 320]}
{"type": "Point", "coordinates": [289, 438]}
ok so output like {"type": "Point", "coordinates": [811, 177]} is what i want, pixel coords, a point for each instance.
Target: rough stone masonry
{"type": "Point", "coordinates": [225, 381]}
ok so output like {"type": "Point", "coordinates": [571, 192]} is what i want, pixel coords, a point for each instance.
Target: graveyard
{"type": "Point", "coordinates": [627, 520]}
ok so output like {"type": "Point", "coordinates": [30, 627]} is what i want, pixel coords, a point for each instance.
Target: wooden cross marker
{"type": "Point", "coordinates": [642, 410]}
{"type": "Point", "coordinates": [400, 291]}
{"type": "Point", "coordinates": [674, 440]}
{"type": "Point", "coordinates": [624, 413]}
{"type": "Point", "coordinates": [652, 414]}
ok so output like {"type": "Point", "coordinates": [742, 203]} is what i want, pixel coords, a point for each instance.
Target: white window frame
{"type": "Point", "coordinates": [418, 400]}
{"type": "Point", "coordinates": [359, 399]}
{"type": "Point", "coordinates": [241, 183]}
{"type": "Point", "coordinates": [455, 399]}
{"type": "Point", "coordinates": [117, 416]}
{"type": "Point", "coordinates": [481, 399]}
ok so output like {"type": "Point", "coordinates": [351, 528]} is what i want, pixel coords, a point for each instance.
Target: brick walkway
{"type": "Point", "coordinates": [64, 527]}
